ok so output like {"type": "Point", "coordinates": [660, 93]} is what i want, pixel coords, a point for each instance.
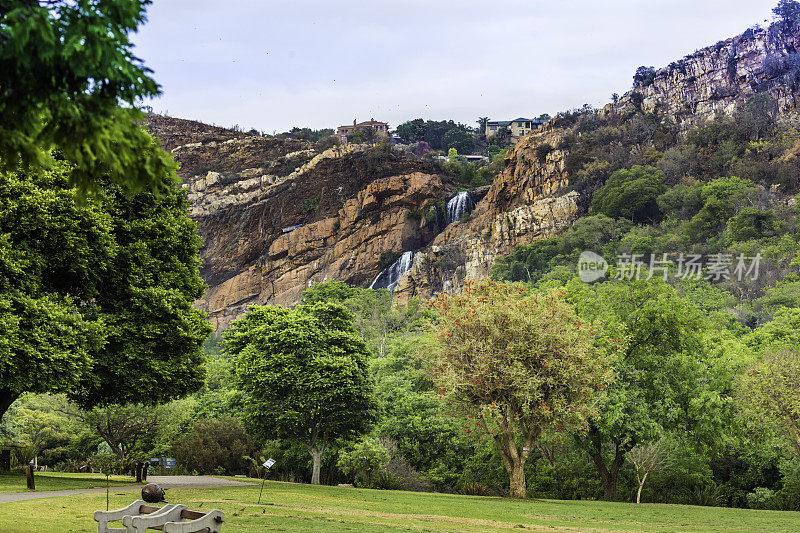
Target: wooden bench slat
{"type": "Point", "coordinates": [191, 515]}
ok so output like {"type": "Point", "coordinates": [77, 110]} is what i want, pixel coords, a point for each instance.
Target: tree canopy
{"type": "Point", "coordinates": [518, 363]}
{"type": "Point", "coordinates": [96, 299]}
{"type": "Point", "coordinates": [304, 373]}
{"type": "Point", "coordinates": [662, 376]}
{"type": "Point", "coordinates": [71, 82]}
{"type": "Point", "coordinates": [631, 194]}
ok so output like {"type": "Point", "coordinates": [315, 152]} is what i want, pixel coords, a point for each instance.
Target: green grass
{"type": "Point", "coordinates": [294, 507]}
{"type": "Point", "coordinates": [15, 481]}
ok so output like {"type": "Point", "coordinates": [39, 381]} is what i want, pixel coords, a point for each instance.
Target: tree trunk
{"type": "Point", "coordinates": [514, 459]}
{"type": "Point", "coordinates": [316, 455]}
{"type": "Point", "coordinates": [7, 397]}
{"type": "Point", "coordinates": [608, 475]}
{"type": "Point", "coordinates": [516, 476]}
{"type": "Point", "coordinates": [641, 485]}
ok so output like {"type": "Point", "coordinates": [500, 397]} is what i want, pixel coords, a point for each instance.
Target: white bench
{"type": "Point", "coordinates": [138, 517]}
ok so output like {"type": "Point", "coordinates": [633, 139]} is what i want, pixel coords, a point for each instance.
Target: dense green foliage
{"type": "Point", "coordinates": [304, 374]}
{"type": "Point", "coordinates": [96, 300]}
{"type": "Point", "coordinates": [631, 194]}
{"type": "Point", "coordinates": [440, 135]}
{"type": "Point", "coordinates": [706, 362]}
{"type": "Point", "coordinates": [70, 81]}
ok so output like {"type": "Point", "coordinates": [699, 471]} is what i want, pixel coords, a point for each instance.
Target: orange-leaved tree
{"type": "Point", "coordinates": [515, 363]}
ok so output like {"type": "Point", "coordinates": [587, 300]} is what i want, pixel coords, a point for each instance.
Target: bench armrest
{"type": "Point", "coordinates": [211, 522]}
{"type": "Point", "coordinates": [139, 524]}
{"type": "Point", "coordinates": [104, 517]}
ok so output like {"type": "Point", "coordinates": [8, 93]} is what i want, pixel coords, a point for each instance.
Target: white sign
{"type": "Point", "coordinates": [269, 462]}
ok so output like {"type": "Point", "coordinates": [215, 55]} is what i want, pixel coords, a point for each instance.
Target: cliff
{"type": "Point", "coordinates": [528, 200]}
{"type": "Point", "coordinates": [719, 78]}
{"type": "Point", "coordinates": [278, 214]}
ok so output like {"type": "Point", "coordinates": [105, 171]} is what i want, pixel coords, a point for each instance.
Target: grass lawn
{"type": "Point", "coordinates": [294, 507]}
{"type": "Point", "coordinates": [15, 481]}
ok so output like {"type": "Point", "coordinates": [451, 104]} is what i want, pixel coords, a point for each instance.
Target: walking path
{"type": "Point", "coordinates": [165, 482]}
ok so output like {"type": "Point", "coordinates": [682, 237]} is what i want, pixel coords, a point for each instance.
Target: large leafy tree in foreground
{"type": "Point", "coordinates": [305, 375]}
{"type": "Point", "coordinates": [517, 363]}
{"type": "Point", "coordinates": [69, 80]}
{"type": "Point", "coordinates": [95, 298]}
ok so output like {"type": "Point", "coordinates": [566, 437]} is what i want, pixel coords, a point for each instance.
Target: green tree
{"type": "Point", "coordinates": [644, 76]}
{"type": "Point", "coordinates": [663, 376]}
{"type": "Point", "coordinates": [769, 392]}
{"type": "Point", "coordinates": [517, 363]}
{"type": "Point", "coordinates": [304, 373]}
{"type": "Point", "coordinates": [482, 122]}
{"type": "Point", "coordinates": [787, 10]}
{"type": "Point", "coordinates": [96, 300]}
{"type": "Point", "coordinates": [71, 82]}
{"type": "Point", "coordinates": [463, 141]}
{"type": "Point", "coordinates": [631, 194]}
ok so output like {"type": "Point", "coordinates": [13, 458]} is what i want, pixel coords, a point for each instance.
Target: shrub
{"type": "Point", "coordinates": [751, 223]}
{"type": "Point", "coordinates": [631, 194]}
{"type": "Point", "coordinates": [309, 206]}
{"type": "Point", "coordinates": [364, 461]}
{"type": "Point", "coordinates": [542, 150]}
{"type": "Point", "coordinates": [388, 258]}
{"type": "Point", "coordinates": [214, 445]}
{"type": "Point", "coordinates": [644, 76]}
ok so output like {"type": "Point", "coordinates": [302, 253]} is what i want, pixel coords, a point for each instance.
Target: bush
{"type": "Point", "coordinates": [631, 194]}
{"type": "Point", "coordinates": [644, 76]}
{"type": "Point", "coordinates": [751, 223]}
{"type": "Point", "coordinates": [542, 150]}
{"type": "Point", "coordinates": [364, 461]}
{"type": "Point", "coordinates": [214, 446]}
{"type": "Point", "coordinates": [388, 258]}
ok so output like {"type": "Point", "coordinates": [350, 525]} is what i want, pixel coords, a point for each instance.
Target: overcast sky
{"type": "Point", "coordinates": [274, 64]}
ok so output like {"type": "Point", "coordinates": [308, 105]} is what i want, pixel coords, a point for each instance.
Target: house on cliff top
{"type": "Point", "coordinates": [517, 128]}
{"type": "Point", "coordinates": [380, 128]}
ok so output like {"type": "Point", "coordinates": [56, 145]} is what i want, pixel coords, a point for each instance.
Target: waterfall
{"type": "Point", "coordinates": [388, 278]}
{"type": "Point", "coordinates": [457, 206]}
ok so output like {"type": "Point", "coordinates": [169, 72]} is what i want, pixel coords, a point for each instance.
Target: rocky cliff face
{"type": "Point", "coordinates": [278, 214]}
{"type": "Point", "coordinates": [527, 201]}
{"type": "Point", "coordinates": [719, 78]}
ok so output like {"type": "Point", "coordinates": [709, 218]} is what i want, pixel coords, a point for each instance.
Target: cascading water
{"type": "Point", "coordinates": [457, 206]}
{"type": "Point", "coordinates": [388, 278]}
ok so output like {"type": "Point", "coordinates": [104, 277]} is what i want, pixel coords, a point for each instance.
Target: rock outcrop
{"type": "Point", "coordinates": [278, 214]}
{"type": "Point", "coordinates": [719, 78]}
{"type": "Point", "coordinates": [527, 201]}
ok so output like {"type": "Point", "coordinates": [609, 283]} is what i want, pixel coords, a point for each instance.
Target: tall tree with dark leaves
{"type": "Point", "coordinates": [96, 297]}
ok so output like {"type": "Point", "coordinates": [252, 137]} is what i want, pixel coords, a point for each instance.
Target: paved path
{"type": "Point", "coordinates": [166, 482]}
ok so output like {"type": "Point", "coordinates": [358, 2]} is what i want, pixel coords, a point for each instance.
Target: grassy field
{"type": "Point", "coordinates": [15, 481]}
{"type": "Point", "coordinates": [294, 507]}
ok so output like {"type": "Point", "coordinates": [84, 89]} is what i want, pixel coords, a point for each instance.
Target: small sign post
{"type": "Point", "coordinates": [267, 465]}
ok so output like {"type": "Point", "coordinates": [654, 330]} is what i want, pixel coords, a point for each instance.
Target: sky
{"type": "Point", "coordinates": [275, 64]}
